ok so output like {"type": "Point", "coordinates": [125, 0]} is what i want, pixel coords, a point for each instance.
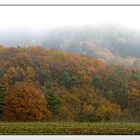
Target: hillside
{"type": "Point", "coordinates": [41, 84]}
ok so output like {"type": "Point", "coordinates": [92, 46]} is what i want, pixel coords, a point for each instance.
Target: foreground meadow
{"type": "Point", "coordinates": [52, 128]}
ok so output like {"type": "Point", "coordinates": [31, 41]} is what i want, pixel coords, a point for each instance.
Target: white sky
{"type": "Point", "coordinates": [36, 18]}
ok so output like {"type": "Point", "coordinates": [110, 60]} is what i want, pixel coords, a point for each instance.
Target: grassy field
{"type": "Point", "coordinates": [38, 128]}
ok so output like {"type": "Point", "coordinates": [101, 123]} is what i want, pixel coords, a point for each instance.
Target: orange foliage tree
{"type": "Point", "coordinates": [25, 102]}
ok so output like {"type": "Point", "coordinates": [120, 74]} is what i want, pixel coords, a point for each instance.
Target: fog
{"type": "Point", "coordinates": [90, 30]}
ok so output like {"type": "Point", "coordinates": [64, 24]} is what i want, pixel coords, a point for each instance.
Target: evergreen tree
{"type": "Point", "coordinates": [98, 82]}
{"type": "Point", "coordinates": [1, 101]}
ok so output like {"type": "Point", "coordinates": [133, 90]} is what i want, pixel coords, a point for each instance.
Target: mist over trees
{"type": "Point", "coordinates": [111, 43]}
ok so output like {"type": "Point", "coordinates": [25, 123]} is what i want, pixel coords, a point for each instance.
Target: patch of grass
{"type": "Point", "coordinates": [44, 128]}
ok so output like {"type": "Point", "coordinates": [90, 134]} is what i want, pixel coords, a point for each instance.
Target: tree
{"type": "Point", "coordinates": [134, 104]}
{"type": "Point", "coordinates": [2, 71]}
{"type": "Point", "coordinates": [118, 86]}
{"type": "Point", "coordinates": [53, 101]}
{"type": "Point", "coordinates": [98, 82]}
{"type": "Point", "coordinates": [2, 103]}
{"type": "Point", "coordinates": [67, 80]}
{"type": "Point", "coordinates": [25, 102]}
{"type": "Point", "coordinates": [135, 75]}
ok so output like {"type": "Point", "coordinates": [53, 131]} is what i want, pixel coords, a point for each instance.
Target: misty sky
{"type": "Point", "coordinates": [36, 18]}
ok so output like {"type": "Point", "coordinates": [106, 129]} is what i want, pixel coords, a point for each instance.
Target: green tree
{"type": "Point", "coordinates": [98, 82]}
{"type": "Point", "coordinates": [67, 80]}
{"type": "Point", "coordinates": [135, 75]}
{"type": "Point", "coordinates": [118, 87]}
{"type": "Point", "coordinates": [2, 104]}
{"type": "Point", "coordinates": [2, 71]}
{"type": "Point", "coordinates": [53, 101]}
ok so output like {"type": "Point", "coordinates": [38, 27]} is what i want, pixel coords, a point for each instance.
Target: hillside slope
{"type": "Point", "coordinates": [76, 87]}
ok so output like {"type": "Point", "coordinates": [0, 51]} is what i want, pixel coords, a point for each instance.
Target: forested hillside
{"type": "Point", "coordinates": [40, 84]}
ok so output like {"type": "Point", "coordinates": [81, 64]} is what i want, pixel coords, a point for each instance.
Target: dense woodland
{"type": "Point", "coordinates": [39, 84]}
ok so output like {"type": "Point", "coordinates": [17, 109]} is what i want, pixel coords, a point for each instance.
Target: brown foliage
{"type": "Point", "coordinates": [24, 102]}
{"type": "Point", "coordinates": [45, 68]}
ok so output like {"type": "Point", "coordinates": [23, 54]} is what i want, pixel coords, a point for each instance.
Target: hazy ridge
{"type": "Point", "coordinates": [111, 43]}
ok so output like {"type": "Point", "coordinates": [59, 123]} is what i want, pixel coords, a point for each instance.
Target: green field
{"type": "Point", "coordinates": [38, 128]}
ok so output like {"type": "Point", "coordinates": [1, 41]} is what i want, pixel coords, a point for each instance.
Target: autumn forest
{"type": "Point", "coordinates": [40, 84]}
